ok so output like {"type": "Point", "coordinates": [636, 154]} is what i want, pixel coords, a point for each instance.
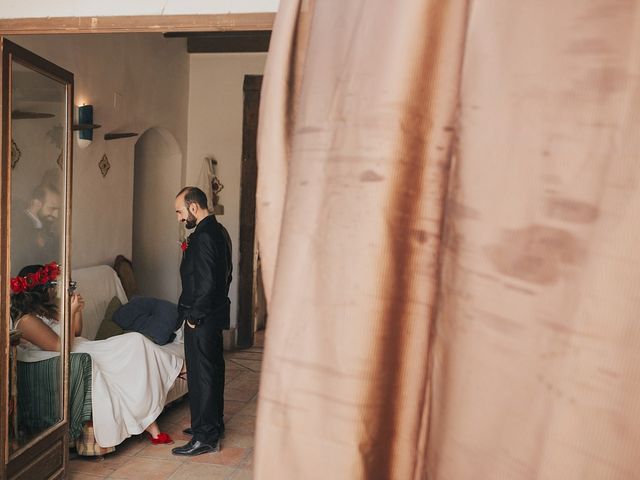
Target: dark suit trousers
{"type": "Point", "coordinates": [205, 378]}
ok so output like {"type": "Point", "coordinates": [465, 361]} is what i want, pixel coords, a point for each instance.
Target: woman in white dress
{"type": "Point", "coordinates": [130, 374]}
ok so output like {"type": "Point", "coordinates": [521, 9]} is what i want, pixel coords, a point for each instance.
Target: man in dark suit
{"type": "Point", "coordinates": [35, 231]}
{"type": "Point", "coordinates": [205, 272]}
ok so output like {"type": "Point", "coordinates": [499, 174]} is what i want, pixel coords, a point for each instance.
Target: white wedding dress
{"type": "Point", "coordinates": [131, 376]}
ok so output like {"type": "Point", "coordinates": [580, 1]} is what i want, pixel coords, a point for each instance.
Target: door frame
{"type": "Point", "coordinates": [98, 25]}
{"type": "Point", "coordinates": [228, 22]}
{"type": "Point", "coordinates": [138, 24]}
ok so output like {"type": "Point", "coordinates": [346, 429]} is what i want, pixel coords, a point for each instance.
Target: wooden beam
{"type": "Point", "coordinates": [252, 83]}
{"type": "Point", "coordinates": [227, 42]}
{"type": "Point", "coordinates": [248, 180]}
{"type": "Point", "coordinates": [145, 23]}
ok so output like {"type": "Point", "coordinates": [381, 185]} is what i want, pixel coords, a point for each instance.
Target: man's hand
{"type": "Point", "coordinates": [190, 324]}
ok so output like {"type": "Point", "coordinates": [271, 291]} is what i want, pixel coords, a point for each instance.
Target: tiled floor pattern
{"type": "Point", "coordinates": [136, 458]}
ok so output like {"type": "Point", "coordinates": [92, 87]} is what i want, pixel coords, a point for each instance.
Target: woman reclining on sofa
{"type": "Point", "coordinates": [130, 374]}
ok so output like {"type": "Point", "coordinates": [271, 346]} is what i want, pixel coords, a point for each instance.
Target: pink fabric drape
{"type": "Point", "coordinates": [447, 203]}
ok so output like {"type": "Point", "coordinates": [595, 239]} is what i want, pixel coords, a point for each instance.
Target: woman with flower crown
{"type": "Point", "coordinates": [130, 375]}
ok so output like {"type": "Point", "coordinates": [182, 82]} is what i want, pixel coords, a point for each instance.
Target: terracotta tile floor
{"type": "Point", "coordinates": [137, 459]}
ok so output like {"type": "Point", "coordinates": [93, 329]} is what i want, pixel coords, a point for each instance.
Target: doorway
{"type": "Point", "coordinates": [115, 109]}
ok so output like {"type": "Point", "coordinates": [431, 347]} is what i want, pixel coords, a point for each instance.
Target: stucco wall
{"type": "Point", "coordinates": [150, 75]}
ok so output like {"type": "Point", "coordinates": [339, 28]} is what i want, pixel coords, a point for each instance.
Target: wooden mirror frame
{"type": "Point", "coordinates": [46, 455]}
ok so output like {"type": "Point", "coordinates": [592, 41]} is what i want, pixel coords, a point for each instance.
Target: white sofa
{"type": "Point", "coordinates": [98, 285]}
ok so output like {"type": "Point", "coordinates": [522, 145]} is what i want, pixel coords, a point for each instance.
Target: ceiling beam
{"type": "Point", "coordinates": [225, 42]}
{"type": "Point", "coordinates": [142, 23]}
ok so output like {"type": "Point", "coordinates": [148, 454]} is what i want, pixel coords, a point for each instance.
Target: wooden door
{"type": "Point", "coordinates": [35, 202]}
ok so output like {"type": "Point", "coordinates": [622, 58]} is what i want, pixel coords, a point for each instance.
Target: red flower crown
{"type": "Point", "coordinates": [44, 275]}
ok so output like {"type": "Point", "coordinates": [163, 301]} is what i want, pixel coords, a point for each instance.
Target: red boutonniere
{"type": "Point", "coordinates": [184, 245]}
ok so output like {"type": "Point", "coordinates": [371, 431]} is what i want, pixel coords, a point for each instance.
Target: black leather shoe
{"type": "Point", "coordinates": [188, 431]}
{"type": "Point", "coordinates": [195, 447]}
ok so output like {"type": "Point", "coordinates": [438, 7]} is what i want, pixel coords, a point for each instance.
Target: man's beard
{"type": "Point", "coordinates": [48, 221]}
{"type": "Point", "coordinates": [191, 221]}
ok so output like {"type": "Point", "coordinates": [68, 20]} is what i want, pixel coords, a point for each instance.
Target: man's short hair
{"type": "Point", "coordinates": [41, 190]}
{"type": "Point", "coordinates": [194, 195]}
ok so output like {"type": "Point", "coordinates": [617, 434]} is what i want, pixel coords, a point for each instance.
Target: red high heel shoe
{"type": "Point", "coordinates": [161, 439]}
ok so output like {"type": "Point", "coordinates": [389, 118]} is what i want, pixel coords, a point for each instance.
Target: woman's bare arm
{"type": "Point", "coordinates": [37, 332]}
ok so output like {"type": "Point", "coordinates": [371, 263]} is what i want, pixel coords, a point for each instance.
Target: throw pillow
{"type": "Point", "coordinates": [108, 328]}
{"type": "Point", "coordinates": [152, 317]}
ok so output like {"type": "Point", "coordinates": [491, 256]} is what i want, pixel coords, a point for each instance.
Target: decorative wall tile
{"type": "Point", "coordinates": [104, 165]}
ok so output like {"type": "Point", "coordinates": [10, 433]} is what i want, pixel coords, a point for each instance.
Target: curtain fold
{"type": "Point", "coordinates": [537, 356]}
{"type": "Point", "coordinates": [447, 196]}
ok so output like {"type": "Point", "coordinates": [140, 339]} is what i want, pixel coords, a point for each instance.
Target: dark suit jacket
{"type": "Point", "coordinates": [205, 272]}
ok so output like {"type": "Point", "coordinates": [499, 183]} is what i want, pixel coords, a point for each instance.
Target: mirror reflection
{"type": "Point", "coordinates": [38, 134]}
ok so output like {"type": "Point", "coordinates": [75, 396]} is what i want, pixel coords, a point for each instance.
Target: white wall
{"type": "Point", "coordinates": [215, 129]}
{"type": "Point", "coordinates": [88, 8]}
{"type": "Point", "coordinates": [151, 75]}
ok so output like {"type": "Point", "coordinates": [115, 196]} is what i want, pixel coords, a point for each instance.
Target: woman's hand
{"type": "Point", "coordinates": [77, 303]}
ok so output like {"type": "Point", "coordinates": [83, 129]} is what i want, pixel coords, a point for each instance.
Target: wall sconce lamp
{"type": "Point", "coordinates": [85, 125]}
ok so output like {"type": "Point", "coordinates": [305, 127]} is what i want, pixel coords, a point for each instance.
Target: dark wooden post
{"type": "Point", "coordinates": [248, 180]}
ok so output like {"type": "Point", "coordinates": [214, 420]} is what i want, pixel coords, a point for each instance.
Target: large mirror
{"type": "Point", "coordinates": [38, 129]}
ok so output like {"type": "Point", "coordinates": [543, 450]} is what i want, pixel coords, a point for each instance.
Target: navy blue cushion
{"type": "Point", "coordinates": [152, 317]}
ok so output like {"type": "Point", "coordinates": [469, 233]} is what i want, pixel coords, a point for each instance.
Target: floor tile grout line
{"type": "Point", "coordinates": [243, 366]}
{"type": "Point", "coordinates": [245, 404]}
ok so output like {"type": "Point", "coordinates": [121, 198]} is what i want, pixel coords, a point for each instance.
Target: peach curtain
{"type": "Point", "coordinates": [448, 197]}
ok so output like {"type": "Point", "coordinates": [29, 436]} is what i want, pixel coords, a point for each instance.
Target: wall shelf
{"type": "Point", "coordinates": [115, 136]}
{"type": "Point", "coordinates": [85, 126]}
{"type": "Point", "coordinates": [20, 115]}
